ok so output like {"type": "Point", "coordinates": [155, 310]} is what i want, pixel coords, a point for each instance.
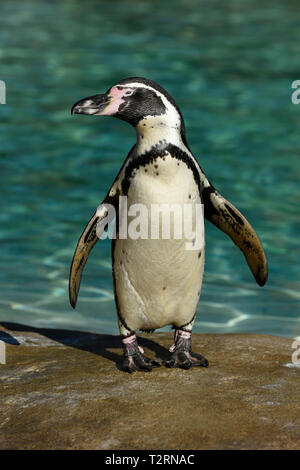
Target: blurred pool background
{"type": "Point", "coordinates": [230, 66]}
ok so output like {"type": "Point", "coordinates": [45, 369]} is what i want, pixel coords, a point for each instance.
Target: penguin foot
{"type": "Point", "coordinates": [182, 355]}
{"type": "Point", "coordinates": [185, 360]}
{"type": "Point", "coordinates": [134, 359]}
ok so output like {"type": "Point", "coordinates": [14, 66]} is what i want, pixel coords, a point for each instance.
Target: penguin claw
{"type": "Point", "coordinates": [138, 362]}
{"type": "Point", "coordinates": [186, 360]}
{"type": "Point", "coordinates": [182, 355]}
{"type": "Point", "coordinates": [134, 359]}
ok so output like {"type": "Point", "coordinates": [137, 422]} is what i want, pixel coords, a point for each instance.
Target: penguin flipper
{"type": "Point", "coordinates": [227, 218]}
{"type": "Point", "coordinates": [86, 242]}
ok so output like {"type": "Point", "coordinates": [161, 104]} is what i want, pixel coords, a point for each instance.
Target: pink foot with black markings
{"type": "Point", "coordinates": [182, 355]}
{"type": "Point", "coordinates": [134, 359]}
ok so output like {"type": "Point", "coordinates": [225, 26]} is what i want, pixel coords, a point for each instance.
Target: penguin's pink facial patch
{"type": "Point", "coordinates": [117, 95]}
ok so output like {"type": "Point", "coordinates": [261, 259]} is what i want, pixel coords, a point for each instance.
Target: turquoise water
{"type": "Point", "coordinates": [230, 66]}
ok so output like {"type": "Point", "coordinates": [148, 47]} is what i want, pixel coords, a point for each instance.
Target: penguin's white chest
{"type": "Point", "coordinates": [158, 268]}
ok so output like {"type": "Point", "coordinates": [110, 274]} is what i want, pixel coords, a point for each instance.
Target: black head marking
{"type": "Point", "coordinates": [143, 102]}
{"type": "Point", "coordinates": [158, 105]}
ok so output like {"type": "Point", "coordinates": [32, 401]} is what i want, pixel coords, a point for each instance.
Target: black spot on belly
{"type": "Point", "coordinates": [199, 254]}
{"type": "Point", "coordinates": [164, 288]}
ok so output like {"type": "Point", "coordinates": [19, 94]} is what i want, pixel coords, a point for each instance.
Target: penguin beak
{"type": "Point", "coordinates": [94, 105]}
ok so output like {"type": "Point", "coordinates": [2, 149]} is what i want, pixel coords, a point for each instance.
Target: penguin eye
{"type": "Point", "coordinates": [128, 92]}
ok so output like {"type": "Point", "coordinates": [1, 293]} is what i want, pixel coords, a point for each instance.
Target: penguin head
{"type": "Point", "coordinates": [135, 100]}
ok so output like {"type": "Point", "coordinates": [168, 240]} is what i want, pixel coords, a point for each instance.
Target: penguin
{"type": "Point", "coordinates": [157, 282]}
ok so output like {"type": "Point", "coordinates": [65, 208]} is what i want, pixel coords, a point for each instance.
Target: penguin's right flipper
{"type": "Point", "coordinates": [87, 241]}
{"type": "Point", "coordinates": [227, 218]}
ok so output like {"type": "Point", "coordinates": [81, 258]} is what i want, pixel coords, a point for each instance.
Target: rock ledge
{"type": "Point", "coordinates": [63, 390]}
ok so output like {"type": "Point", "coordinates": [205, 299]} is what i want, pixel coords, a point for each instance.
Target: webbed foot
{"type": "Point", "coordinates": [182, 355]}
{"type": "Point", "coordinates": [134, 359]}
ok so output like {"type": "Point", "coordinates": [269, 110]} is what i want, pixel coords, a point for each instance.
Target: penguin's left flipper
{"type": "Point", "coordinates": [227, 218]}
{"type": "Point", "coordinates": [87, 241]}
